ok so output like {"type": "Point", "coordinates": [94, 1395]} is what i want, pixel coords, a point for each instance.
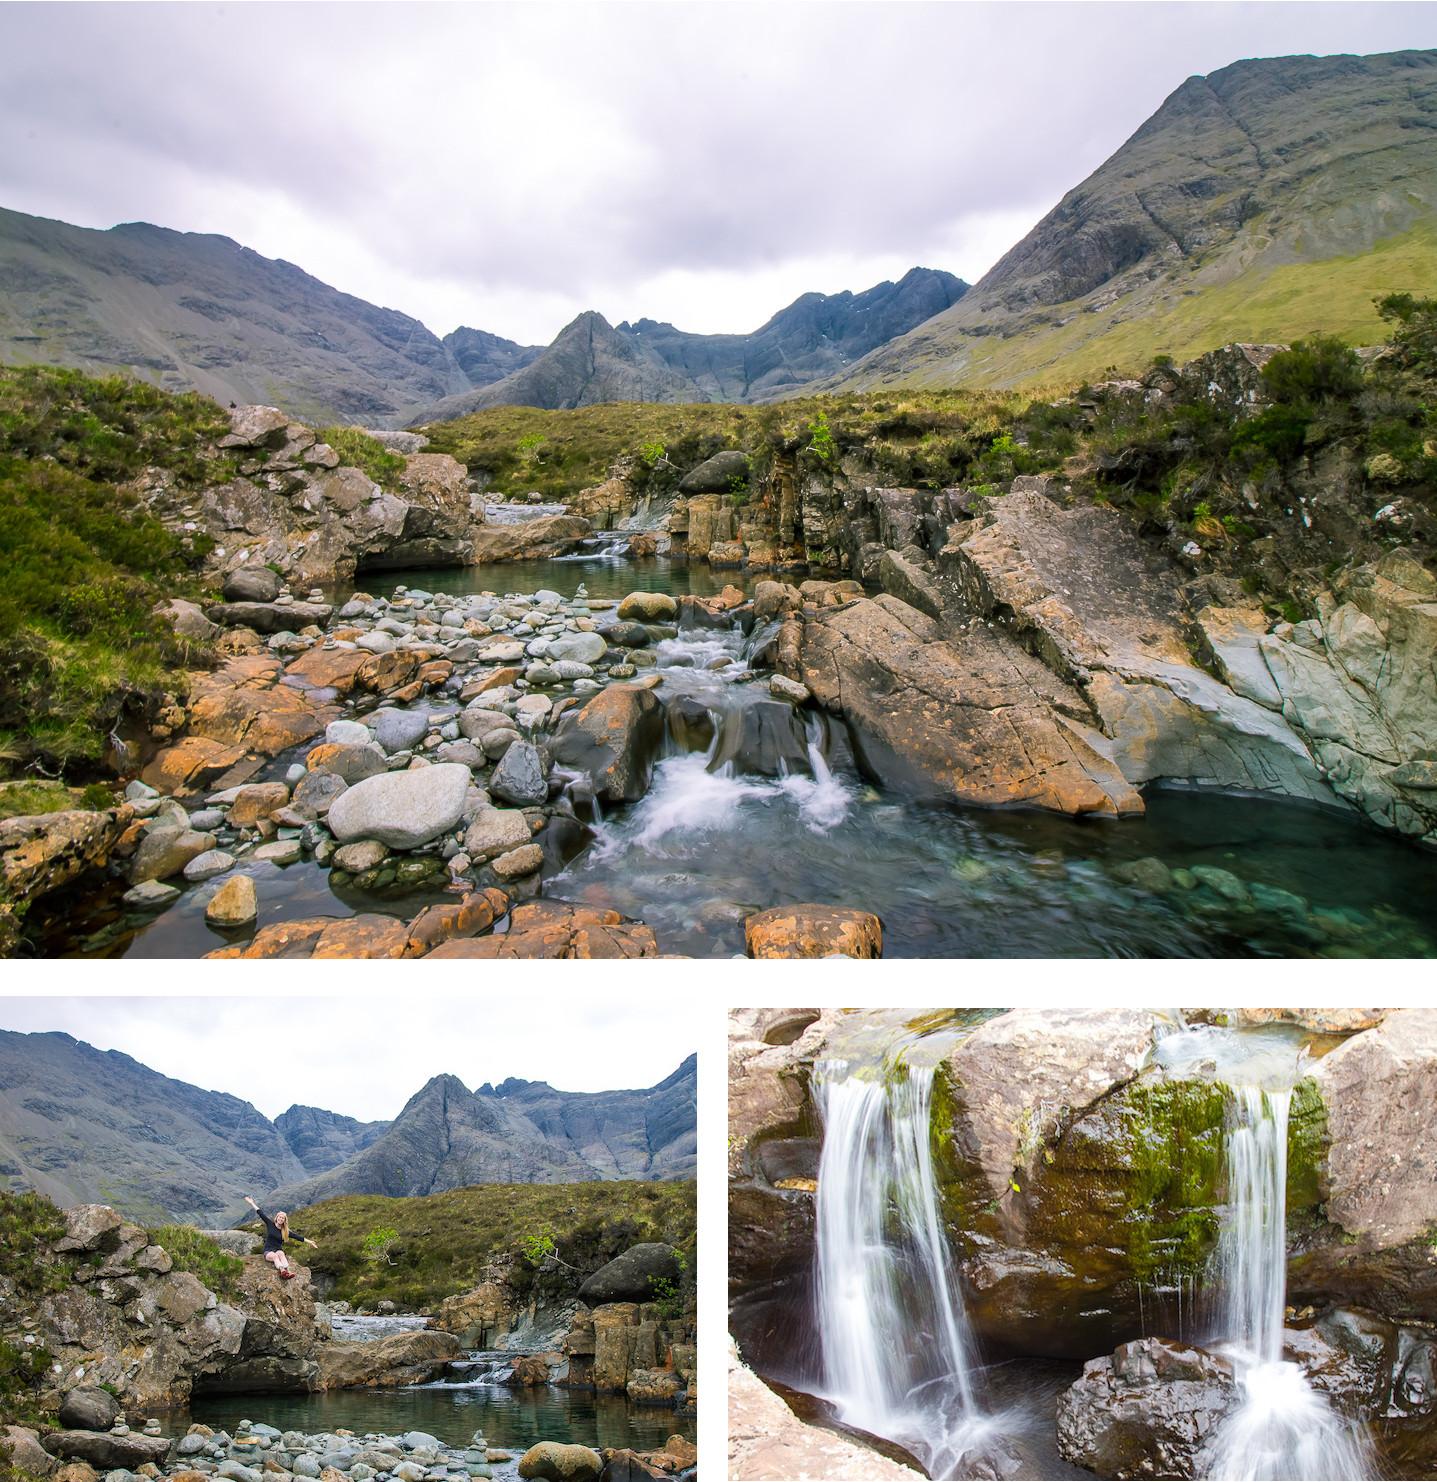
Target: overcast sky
{"type": "Point", "coordinates": [508, 166]}
{"type": "Point", "coordinates": [366, 1057]}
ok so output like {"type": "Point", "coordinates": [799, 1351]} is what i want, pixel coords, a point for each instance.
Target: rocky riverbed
{"type": "Point", "coordinates": [981, 740]}
{"type": "Point", "coordinates": [487, 773]}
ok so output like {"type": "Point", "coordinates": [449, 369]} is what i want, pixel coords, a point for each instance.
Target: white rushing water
{"type": "Point", "coordinates": [897, 1354]}
{"type": "Point", "coordinates": [1284, 1428]}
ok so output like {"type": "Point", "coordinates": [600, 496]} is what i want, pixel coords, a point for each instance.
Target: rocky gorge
{"type": "Point", "coordinates": [1085, 1185]}
{"type": "Point", "coordinates": [117, 1327]}
{"type": "Point", "coordinates": [470, 770]}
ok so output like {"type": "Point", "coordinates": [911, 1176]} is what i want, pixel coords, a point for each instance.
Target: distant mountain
{"type": "Point", "coordinates": [193, 312]}
{"type": "Point", "coordinates": [1265, 201]}
{"type": "Point", "coordinates": [817, 335]}
{"type": "Point", "coordinates": [321, 1139]}
{"type": "Point", "coordinates": [485, 358]}
{"type": "Point", "coordinates": [81, 1125]}
{"type": "Point", "coordinates": [448, 1137]}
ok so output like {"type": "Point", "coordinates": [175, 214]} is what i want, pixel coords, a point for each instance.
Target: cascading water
{"type": "Point", "coordinates": [897, 1355]}
{"type": "Point", "coordinates": [1284, 1428]}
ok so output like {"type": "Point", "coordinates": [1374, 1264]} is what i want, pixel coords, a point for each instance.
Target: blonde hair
{"type": "Point", "coordinates": [281, 1218]}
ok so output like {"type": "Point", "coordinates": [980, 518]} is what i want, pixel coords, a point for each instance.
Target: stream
{"type": "Point", "coordinates": [713, 841]}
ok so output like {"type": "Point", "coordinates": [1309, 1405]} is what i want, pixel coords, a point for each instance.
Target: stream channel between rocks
{"type": "Point", "coordinates": [711, 843]}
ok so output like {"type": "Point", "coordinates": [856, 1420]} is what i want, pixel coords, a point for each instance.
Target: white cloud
{"type": "Point", "coordinates": [509, 165]}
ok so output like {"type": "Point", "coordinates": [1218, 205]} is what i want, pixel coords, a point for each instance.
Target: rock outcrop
{"type": "Point", "coordinates": [41, 853]}
{"type": "Point", "coordinates": [390, 1362]}
{"type": "Point", "coordinates": [294, 507]}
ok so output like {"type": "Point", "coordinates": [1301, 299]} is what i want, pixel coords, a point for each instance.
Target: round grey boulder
{"type": "Point", "coordinates": [583, 648]}
{"type": "Point", "coordinates": [402, 809]}
{"type": "Point", "coordinates": [88, 1410]}
{"type": "Point", "coordinates": [399, 730]}
{"type": "Point", "coordinates": [251, 584]}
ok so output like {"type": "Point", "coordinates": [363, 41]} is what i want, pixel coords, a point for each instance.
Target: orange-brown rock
{"type": "Point", "coordinates": [190, 765]}
{"type": "Point", "coordinates": [970, 716]}
{"type": "Point", "coordinates": [39, 853]}
{"type": "Point", "coordinates": [281, 939]}
{"type": "Point", "coordinates": [614, 739]}
{"type": "Point", "coordinates": [477, 912]}
{"type": "Point", "coordinates": [435, 672]}
{"type": "Point", "coordinates": [813, 931]}
{"type": "Point", "coordinates": [497, 678]}
{"type": "Point", "coordinates": [362, 936]}
{"type": "Point", "coordinates": [255, 801]}
{"type": "Point", "coordinates": [558, 930]}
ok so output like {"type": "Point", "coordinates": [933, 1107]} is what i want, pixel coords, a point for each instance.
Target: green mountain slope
{"type": "Point", "coordinates": [1263, 202]}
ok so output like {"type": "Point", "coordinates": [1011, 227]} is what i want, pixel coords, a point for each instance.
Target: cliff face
{"type": "Point", "coordinates": [1259, 203]}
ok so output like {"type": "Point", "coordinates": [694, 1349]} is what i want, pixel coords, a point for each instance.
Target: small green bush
{"type": "Point", "coordinates": [29, 1225]}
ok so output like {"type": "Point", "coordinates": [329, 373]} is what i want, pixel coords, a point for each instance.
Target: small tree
{"type": "Point", "coordinates": [820, 438]}
{"type": "Point", "coordinates": [378, 1244]}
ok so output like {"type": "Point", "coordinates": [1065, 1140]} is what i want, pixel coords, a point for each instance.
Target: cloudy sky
{"type": "Point", "coordinates": [365, 1057]}
{"type": "Point", "coordinates": [508, 166]}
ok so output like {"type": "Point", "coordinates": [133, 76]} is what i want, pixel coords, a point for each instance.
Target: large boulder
{"type": "Point", "coordinates": [87, 1409]}
{"type": "Point", "coordinates": [106, 1452]}
{"type": "Point", "coordinates": [553, 1461]}
{"type": "Point", "coordinates": [631, 1276]}
{"type": "Point", "coordinates": [974, 718]}
{"type": "Point", "coordinates": [251, 584]}
{"type": "Point", "coordinates": [402, 809]}
{"type": "Point", "coordinates": [41, 852]}
{"type": "Point", "coordinates": [531, 540]}
{"type": "Point", "coordinates": [90, 1228]}
{"type": "Point", "coordinates": [391, 1362]}
{"type": "Point", "coordinates": [613, 740]}
{"type": "Point", "coordinates": [1153, 1409]}
{"type": "Point", "coordinates": [813, 931]}
{"type": "Point", "coordinates": [764, 738]}
{"type": "Point", "coordinates": [716, 475]}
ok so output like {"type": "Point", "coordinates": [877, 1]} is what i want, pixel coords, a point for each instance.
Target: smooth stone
{"type": "Point", "coordinates": [399, 730]}
{"type": "Point", "coordinates": [347, 733]}
{"type": "Point", "coordinates": [402, 809]}
{"type": "Point", "coordinates": [363, 854]}
{"type": "Point", "coordinates": [235, 903]}
{"type": "Point", "coordinates": [583, 648]}
{"type": "Point", "coordinates": [280, 852]}
{"type": "Point", "coordinates": [518, 862]}
{"type": "Point", "coordinates": [209, 864]}
{"type": "Point", "coordinates": [496, 831]}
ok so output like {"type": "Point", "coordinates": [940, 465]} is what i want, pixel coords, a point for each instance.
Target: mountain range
{"type": "Point", "coordinates": [80, 1124]}
{"type": "Point", "coordinates": [1262, 202]}
{"type": "Point", "coordinates": [203, 313]}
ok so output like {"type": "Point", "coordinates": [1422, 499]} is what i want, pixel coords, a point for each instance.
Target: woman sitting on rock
{"type": "Point", "coordinates": [276, 1232]}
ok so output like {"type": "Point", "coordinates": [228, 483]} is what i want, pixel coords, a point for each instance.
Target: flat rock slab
{"type": "Point", "coordinates": [105, 1452]}
{"type": "Point", "coordinates": [556, 929]}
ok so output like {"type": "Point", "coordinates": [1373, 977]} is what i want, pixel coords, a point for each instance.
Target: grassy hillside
{"type": "Point", "coordinates": [924, 436]}
{"type": "Point", "coordinates": [441, 1242]}
{"type": "Point", "coordinates": [1263, 304]}
{"type": "Point", "coordinates": [1272, 199]}
{"type": "Point", "coordinates": [84, 561]}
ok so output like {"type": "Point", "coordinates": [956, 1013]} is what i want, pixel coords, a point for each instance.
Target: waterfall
{"type": "Point", "coordinates": [897, 1354]}
{"type": "Point", "coordinates": [1284, 1428]}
